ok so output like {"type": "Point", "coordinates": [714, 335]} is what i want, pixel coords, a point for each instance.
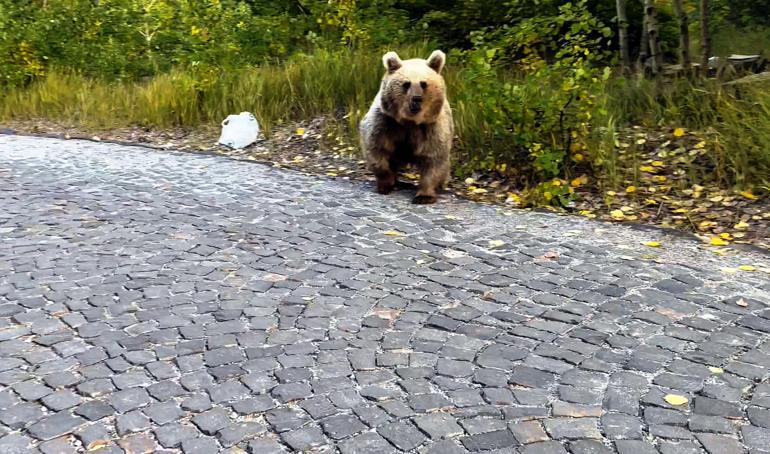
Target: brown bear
{"type": "Point", "coordinates": [410, 122]}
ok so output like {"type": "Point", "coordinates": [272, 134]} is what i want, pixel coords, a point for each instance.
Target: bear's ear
{"type": "Point", "coordinates": [391, 61]}
{"type": "Point", "coordinates": [436, 61]}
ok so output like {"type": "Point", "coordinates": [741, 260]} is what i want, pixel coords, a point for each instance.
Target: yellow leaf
{"type": "Point", "coordinates": [617, 215]}
{"type": "Point", "coordinates": [411, 176]}
{"type": "Point", "coordinates": [579, 181]}
{"type": "Point", "coordinates": [647, 168]}
{"type": "Point", "coordinates": [725, 236]}
{"type": "Point", "coordinates": [700, 145]}
{"type": "Point", "coordinates": [657, 163]}
{"type": "Point", "coordinates": [652, 244]}
{"type": "Point", "coordinates": [300, 131]}
{"type": "Point", "coordinates": [659, 178]}
{"type": "Point", "coordinates": [512, 198]}
{"type": "Point", "coordinates": [478, 190]}
{"type": "Point", "coordinates": [496, 243]}
{"type": "Point", "coordinates": [587, 214]}
{"type": "Point", "coordinates": [676, 399]}
{"type": "Point", "coordinates": [577, 157]}
{"type": "Point", "coordinates": [729, 270]}
{"type": "Point", "coordinates": [392, 233]}
{"type": "Point", "coordinates": [749, 195]}
{"type": "Point", "coordinates": [640, 141]}
{"type": "Point", "coordinates": [678, 132]}
{"type": "Point", "coordinates": [631, 189]}
{"type": "Point", "coordinates": [716, 370]}
{"type": "Point", "coordinates": [469, 181]}
{"type": "Point", "coordinates": [741, 225]}
{"type": "Point", "coordinates": [748, 268]}
{"type": "Point", "coordinates": [716, 241]}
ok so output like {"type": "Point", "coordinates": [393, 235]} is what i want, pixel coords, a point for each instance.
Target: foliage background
{"type": "Point", "coordinates": [532, 81]}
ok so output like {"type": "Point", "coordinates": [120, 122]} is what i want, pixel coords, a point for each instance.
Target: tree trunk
{"type": "Point", "coordinates": [684, 35]}
{"type": "Point", "coordinates": [650, 14]}
{"type": "Point", "coordinates": [705, 36]}
{"type": "Point", "coordinates": [644, 47]}
{"type": "Point", "coordinates": [625, 58]}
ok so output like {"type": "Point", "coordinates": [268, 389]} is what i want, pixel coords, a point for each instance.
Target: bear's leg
{"type": "Point", "coordinates": [385, 174]}
{"type": "Point", "coordinates": [433, 176]}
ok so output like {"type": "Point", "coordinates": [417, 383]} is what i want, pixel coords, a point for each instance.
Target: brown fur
{"type": "Point", "coordinates": [392, 135]}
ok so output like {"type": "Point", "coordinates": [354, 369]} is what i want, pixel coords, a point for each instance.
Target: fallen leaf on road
{"type": "Point", "coordinates": [748, 268]}
{"type": "Point", "coordinates": [675, 399]}
{"type": "Point", "coordinates": [392, 233]}
{"type": "Point", "coordinates": [496, 243]}
{"type": "Point", "coordinates": [716, 370]}
{"type": "Point", "coordinates": [716, 241]}
{"type": "Point", "coordinates": [742, 303]}
{"type": "Point", "coordinates": [652, 244]}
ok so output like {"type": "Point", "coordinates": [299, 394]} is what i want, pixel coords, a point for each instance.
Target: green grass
{"type": "Point", "coordinates": [746, 41]}
{"type": "Point", "coordinates": [327, 83]}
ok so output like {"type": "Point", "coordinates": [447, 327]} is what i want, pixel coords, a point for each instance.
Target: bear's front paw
{"type": "Point", "coordinates": [424, 199]}
{"type": "Point", "coordinates": [384, 187]}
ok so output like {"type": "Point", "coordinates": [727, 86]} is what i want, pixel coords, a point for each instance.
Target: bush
{"type": "Point", "coordinates": [541, 121]}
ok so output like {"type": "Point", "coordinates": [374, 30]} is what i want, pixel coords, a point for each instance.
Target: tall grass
{"type": "Point", "coordinates": [737, 118]}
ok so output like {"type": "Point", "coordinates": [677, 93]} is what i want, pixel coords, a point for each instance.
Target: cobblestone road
{"type": "Point", "coordinates": [163, 302]}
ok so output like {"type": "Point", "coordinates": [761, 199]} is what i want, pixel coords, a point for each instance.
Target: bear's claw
{"type": "Point", "coordinates": [424, 199]}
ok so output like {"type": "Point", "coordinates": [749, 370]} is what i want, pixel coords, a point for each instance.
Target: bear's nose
{"type": "Point", "coordinates": [416, 104]}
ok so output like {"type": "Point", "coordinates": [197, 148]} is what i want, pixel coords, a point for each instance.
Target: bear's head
{"type": "Point", "coordinates": [413, 90]}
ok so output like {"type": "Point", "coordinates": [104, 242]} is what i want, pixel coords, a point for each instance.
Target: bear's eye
{"type": "Point", "coordinates": [406, 85]}
{"type": "Point", "coordinates": [424, 85]}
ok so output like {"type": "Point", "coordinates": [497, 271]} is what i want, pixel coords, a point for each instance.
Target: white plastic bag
{"type": "Point", "coordinates": [239, 131]}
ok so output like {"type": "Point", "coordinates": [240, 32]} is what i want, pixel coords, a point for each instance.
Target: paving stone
{"type": "Point", "coordinates": [528, 432]}
{"type": "Point", "coordinates": [755, 437]}
{"type": "Point", "coordinates": [716, 407]}
{"type": "Point", "coordinates": [131, 422]}
{"type": "Point", "coordinates": [138, 443]}
{"type": "Point", "coordinates": [366, 443]}
{"type": "Point", "coordinates": [438, 425]}
{"type": "Point", "coordinates": [211, 421]}
{"type": "Point", "coordinates": [239, 431]}
{"type": "Point", "coordinates": [129, 399]}
{"type": "Point", "coordinates": [759, 417]}
{"type": "Point", "coordinates": [617, 426]}
{"type": "Point", "coordinates": [714, 424]}
{"type": "Point", "coordinates": [499, 439]}
{"type": "Point", "coordinates": [94, 410]}
{"type": "Point", "coordinates": [680, 447]}
{"type": "Point", "coordinates": [304, 439]}
{"type": "Point", "coordinates": [588, 447]}
{"type": "Point", "coordinates": [573, 429]}
{"type": "Point", "coordinates": [719, 444]}
{"type": "Point", "coordinates": [172, 435]}
{"type": "Point", "coordinates": [402, 435]}
{"type": "Point", "coordinates": [266, 445]}
{"type": "Point", "coordinates": [544, 447]}
{"type": "Point", "coordinates": [57, 446]}
{"type": "Point", "coordinates": [15, 444]}
{"type": "Point", "coordinates": [21, 415]}
{"type": "Point", "coordinates": [55, 425]}
{"type": "Point", "coordinates": [342, 426]}
{"type": "Point", "coordinates": [201, 445]}
{"type": "Point", "coordinates": [635, 447]}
